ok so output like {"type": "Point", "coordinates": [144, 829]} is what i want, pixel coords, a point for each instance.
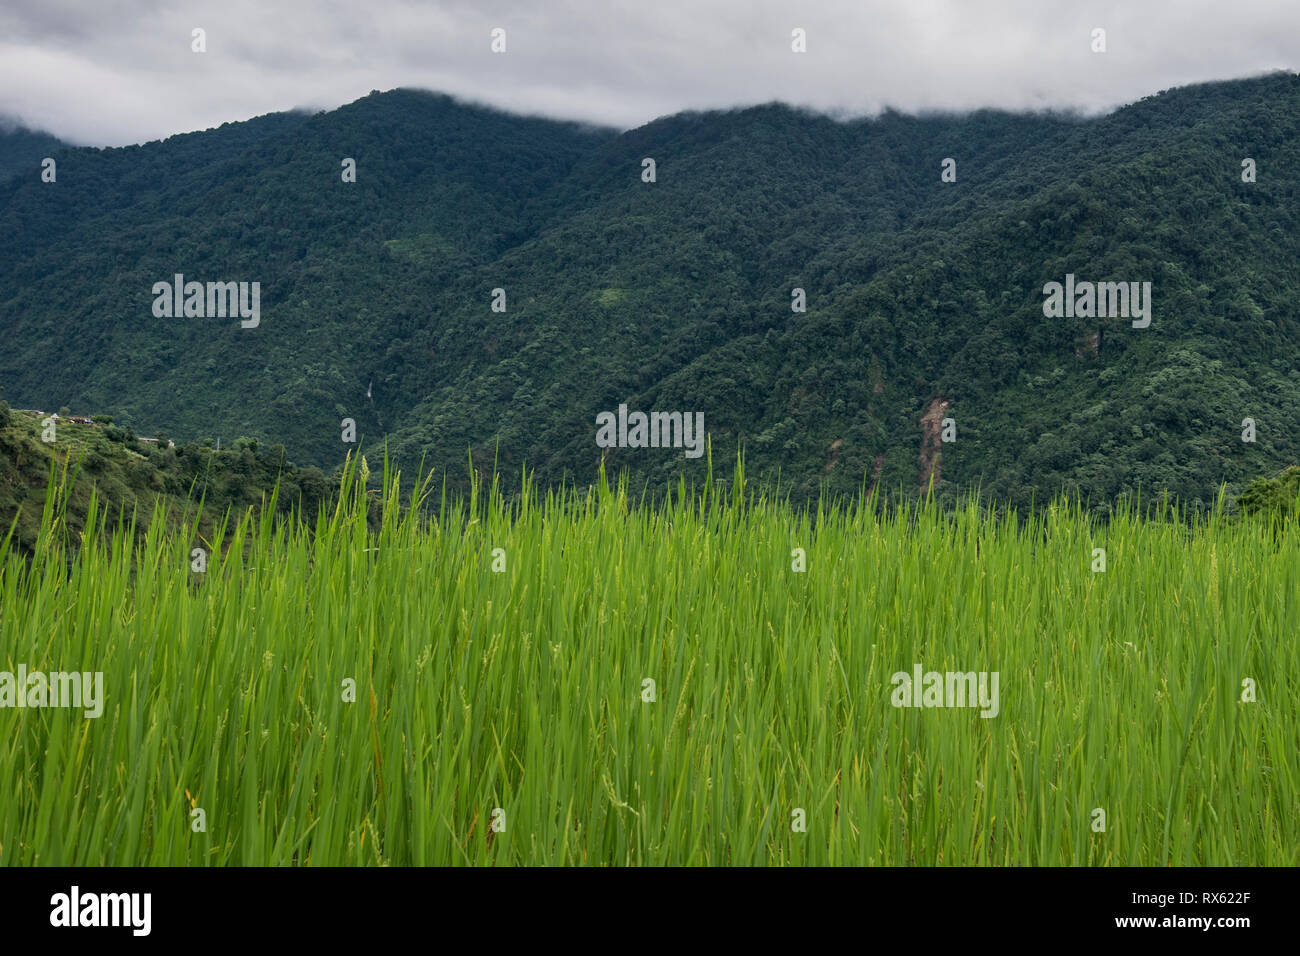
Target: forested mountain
{"type": "Point", "coordinates": [22, 149]}
{"type": "Point", "coordinates": [925, 298]}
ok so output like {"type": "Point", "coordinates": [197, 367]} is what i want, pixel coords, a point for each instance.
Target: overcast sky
{"type": "Point", "coordinates": [110, 72]}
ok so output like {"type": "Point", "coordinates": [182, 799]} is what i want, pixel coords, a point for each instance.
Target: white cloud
{"type": "Point", "coordinates": [121, 71]}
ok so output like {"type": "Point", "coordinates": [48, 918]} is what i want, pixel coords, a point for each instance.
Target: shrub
{"type": "Point", "coordinates": [1277, 495]}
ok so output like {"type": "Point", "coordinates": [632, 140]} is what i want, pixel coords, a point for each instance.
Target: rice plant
{"type": "Point", "coordinates": [578, 677]}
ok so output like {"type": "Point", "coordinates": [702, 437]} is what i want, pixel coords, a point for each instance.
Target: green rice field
{"type": "Point", "coordinates": [582, 678]}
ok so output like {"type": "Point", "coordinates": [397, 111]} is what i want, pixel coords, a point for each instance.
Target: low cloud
{"type": "Point", "coordinates": [122, 71]}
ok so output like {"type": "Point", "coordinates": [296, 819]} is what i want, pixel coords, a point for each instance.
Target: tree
{"type": "Point", "coordinates": [1278, 495]}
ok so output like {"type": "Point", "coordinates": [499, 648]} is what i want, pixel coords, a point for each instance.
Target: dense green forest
{"type": "Point", "coordinates": [924, 297]}
{"type": "Point", "coordinates": [23, 149]}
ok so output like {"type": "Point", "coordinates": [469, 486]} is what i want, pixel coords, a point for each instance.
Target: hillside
{"type": "Point", "coordinates": [23, 149]}
{"type": "Point", "coordinates": [676, 295]}
{"type": "Point", "coordinates": [129, 476]}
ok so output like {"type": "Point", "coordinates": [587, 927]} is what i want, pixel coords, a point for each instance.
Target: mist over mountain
{"type": "Point", "coordinates": [22, 149]}
{"type": "Point", "coordinates": [924, 351]}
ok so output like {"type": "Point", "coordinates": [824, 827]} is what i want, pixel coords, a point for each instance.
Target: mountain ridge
{"type": "Point", "coordinates": [675, 295]}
